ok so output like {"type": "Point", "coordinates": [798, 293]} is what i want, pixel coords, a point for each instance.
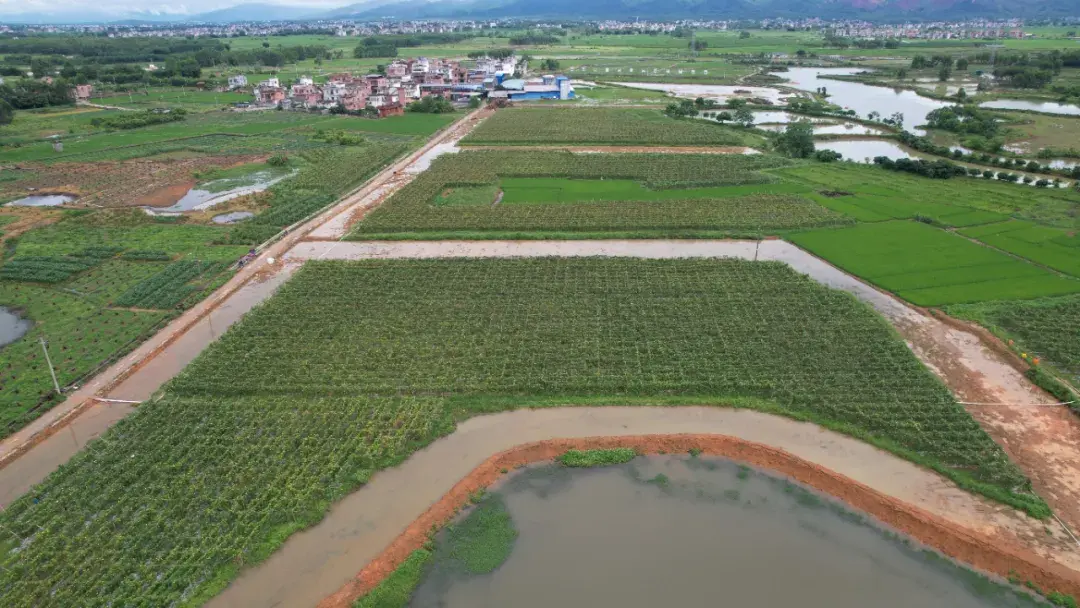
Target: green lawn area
{"type": "Point", "coordinates": [1059, 249]}
{"type": "Point", "coordinates": [186, 490]}
{"type": "Point", "coordinates": [930, 267]}
{"type": "Point", "coordinates": [594, 195]}
{"type": "Point", "coordinates": [173, 98]}
{"type": "Point", "coordinates": [601, 126]}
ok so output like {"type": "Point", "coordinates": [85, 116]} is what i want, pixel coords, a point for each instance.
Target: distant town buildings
{"type": "Point", "coordinates": [407, 80]}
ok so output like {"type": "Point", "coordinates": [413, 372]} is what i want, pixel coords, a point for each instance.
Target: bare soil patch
{"type": "Point", "coordinates": [153, 182]}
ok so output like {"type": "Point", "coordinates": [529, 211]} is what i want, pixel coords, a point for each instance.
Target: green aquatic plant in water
{"type": "Point", "coordinates": [597, 458]}
{"type": "Point", "coordinates": [482, 542]}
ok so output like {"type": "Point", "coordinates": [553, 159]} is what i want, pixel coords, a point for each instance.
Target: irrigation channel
{"type": "Point", "coordinates": [314, 563]}
{"type": "Point", "coordinates": [676, 530]}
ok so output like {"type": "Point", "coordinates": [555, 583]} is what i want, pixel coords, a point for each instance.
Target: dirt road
{"type": "Point", "coordinates": [316, 562]}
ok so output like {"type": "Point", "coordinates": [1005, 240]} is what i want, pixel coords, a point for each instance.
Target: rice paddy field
{"type": "Point", "coordinates": [601, 126]}
{"type": "Point", "coordinates": [930, 267]}
{"type": "Point", "coordinates": [183, 493]}
{"type": "Point", "coordinates": [494, 194]}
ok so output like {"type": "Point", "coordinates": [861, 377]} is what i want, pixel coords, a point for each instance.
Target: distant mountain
{"type": "Point", "coordinates": [256, 12]}
{"type": "Point", "coordinates": [877, 10]}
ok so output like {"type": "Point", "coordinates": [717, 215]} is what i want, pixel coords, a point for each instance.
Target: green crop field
{"type": "Point", "coordinates": [931, 267]}
{"type": "Point", "coordinates": [599, 194]}
{"type": "Point", "coordinates": [601, 126]}
{"type": "Point", "coordinates": [1047, 328]}
{"type": "Point", "coordinates": [1059, 249]}
{"type": "Point", "coordinates": [97, 282]}
{"type": "Point", "coordinates": [179, 496]}
{"type": "Point", "coordinates": [882, 195]}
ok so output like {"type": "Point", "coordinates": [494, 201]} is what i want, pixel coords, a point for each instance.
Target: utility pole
{"type": "Point", "coordinates": [52, 371]}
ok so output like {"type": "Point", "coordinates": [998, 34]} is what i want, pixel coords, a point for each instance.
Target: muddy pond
{"type": "Point", "coordinates": [684, 531]}
{"type": "Point", "coordinates": [219, 191]}
{"type": "Point", "coordinates": [42, 200]}
{"type": "Point", "coordinates": [12, 326]}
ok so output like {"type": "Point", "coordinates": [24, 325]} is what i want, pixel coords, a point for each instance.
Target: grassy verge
{"type": "Point", "coordinates": [395, 591]}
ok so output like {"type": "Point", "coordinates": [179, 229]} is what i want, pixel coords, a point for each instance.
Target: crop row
{"type": "Point", "coordinates": [599, 126]}
{"type": "Point", "coordinates": [248, 446]}
{"type": "Point", "coordinates": [168, 288]}
{"type": "Point", "coordinates": [54, 269]}
{"type": "Point", "coordinates": [185, 491]}
{"type": "Point", "coordinates": [420, 206]}
{"type": "Point", "coordinates": [1048, 329]}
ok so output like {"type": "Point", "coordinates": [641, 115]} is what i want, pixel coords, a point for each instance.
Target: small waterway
{"type": "Point", "coordinates": [1047, 107]}
{"type": "Point", "coordinates": [12, 326]}
{"type": "Point", "coordinates": [232, 217]}
{"type": "Point", "coordinates": [683, 531]}
{"type": "Point", "coordinates": [864, 98]}
{"type": "Point", "coordinates": [42, 200]}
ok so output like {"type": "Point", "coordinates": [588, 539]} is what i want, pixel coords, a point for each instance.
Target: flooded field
{"type": "Point", "coordinates": [864, 98]}
{"type": "Point", "coordinates": [683, 531]}
{"type": "Point", "coordinates": [845, 128]}
{"type": "Point", "coordinates": [218, 191]}
{"type": "Point", "coordinates": [42, 200]}
{"type": "Point", "coordinates": [1046, 107]}
{"type": "Point", "coordinates": [720, 93]}
{"type": "Point", "coordinates": [233, 217]}
{"type": "Point", "coordinates": [864, 150]}
{"type": "Point", "coordinates": [12, 326]}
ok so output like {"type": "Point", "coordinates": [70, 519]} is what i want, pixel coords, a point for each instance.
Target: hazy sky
{"type": "Point", "coordinates": [59, 7]}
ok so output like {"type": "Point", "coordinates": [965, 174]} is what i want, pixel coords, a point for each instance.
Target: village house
{"type": "Point", "coordinates": [237, 82]}
{"type": "Point", "coordinates": [82, 92]}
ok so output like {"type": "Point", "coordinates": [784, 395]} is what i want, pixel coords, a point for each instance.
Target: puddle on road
{"type": "Point", "coordinates": [682, 531]}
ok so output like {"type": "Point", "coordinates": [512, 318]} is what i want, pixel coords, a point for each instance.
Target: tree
{"type": "Point", "coordinates": [961, 94]}
{"type": "Point", "coordinates": [944, 72]}
{"type": "Point", "coordinates": [744, 116]}
{"type": "Point", "coordinates": [801, 54]}
{"type": "Point", "coordinates": [549, 65]}
{"type": "Point", "coordinates": [901, 74]}
{"type": "Point", "coordinates": [266, 45]}
{"type": "Point", "coordinates": [743, 35]}
{"type": "Point", "coordinates": [735, 103]}
{"type": "Point", "coordinates": [474, 102]}
{"type": "Point", "coordinates": [797, 140]}
{"type": "Point", "coordinates": [962, 64]}
{"type": "Point", "coordinates": [7, 113]}
{"type": "Point", "coordinates": [724, 116]}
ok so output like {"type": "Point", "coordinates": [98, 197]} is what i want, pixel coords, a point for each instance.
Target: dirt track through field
{"type": "Point", "coordinates": [317, 562]}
